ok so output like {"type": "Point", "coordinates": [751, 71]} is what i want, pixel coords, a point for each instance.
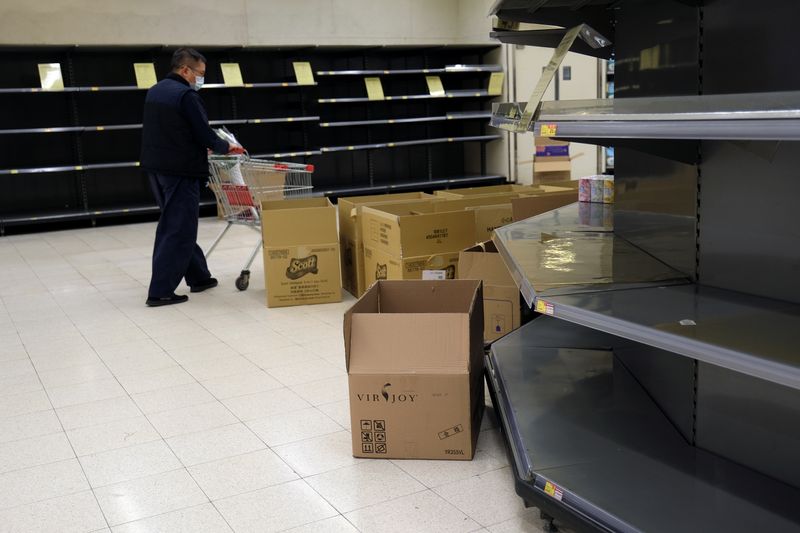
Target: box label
{"type": "Point", "coordinates": [373, 437]}
{"type": "Point", "coordinates": [434, 275]}
{"type": "Point", "coordinates": [300, 267]}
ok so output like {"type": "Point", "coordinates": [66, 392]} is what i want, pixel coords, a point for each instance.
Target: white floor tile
{"type": "Point", "coordinates": [91, 391]}
{"type": "Point", "coordinates": [15, 368]}
{"type": "Point", "coordinates": [29, 425]}
{"type": "Point", "coordinates": [21, 384]}
{"type": "Point", "coordinates": [124, 464]}
{"type": "Point", "coordinates": [41, 483]}
{"type": "Point", "coordinates": [319, 454]}
{"type": "Point", "coordinates": [337, 524]}
{"type": "Point", "coordinates": [297, 425]}
{"type": "Point", "coordinates": [149, 496]}
{"type": "Point", "coordinates": [214, 444]}
{"type": "Point", "coordinates": [268, 357]}
{"type": "Point", "coordinates": [487, 498]}
{"type": "Point", "coordinates": [138, 363]}
{"type": "Point", "coordinates": [164, 378]}
{"type": "Point", "coordinates": [339, 412]}
{"type": "Point", "coordinates": [324, 391]}
{"type": "Point", "coordinates": [364, 484]}
{"type": "Point", "coordinates": [423, 511]}
{"type": "Point", "coordinates": [100, 412]}
{"type": "Point", "coordinates": [191, 419]}
{"type": "Point", "coordinates": [218, 368]}
{"type": "Point", "coordinates": [241, 384]}
{"type": "Point", "coordinates": [263, 404]}
{"type": "Point", "coordinates": [200, 519]}
{"type": "Point", "coordinates": [172, 398]}
{"type": "Point", "coordinates": [23, 403]}
{"type": "Point", "coordinates": [75, 375]}
{"type": "Point", "coordinates": [35, 451]}
{"type": "Point", "coordinates": [275, 508]}
{"type": "Point", "coordinates": [242, 473]}
{"type": "Point", "coordinates": [437, 473]}
{"type": "Point", "coordinates": [66, 514]}
{"type": "Point", "coordinates": [112, 435]}
{"type": "Point", "coordinates": [313, 370]}
{"type": "Point", "coordinates": [194, 354]}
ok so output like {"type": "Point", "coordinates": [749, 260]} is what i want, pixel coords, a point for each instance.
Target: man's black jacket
{"type": "Point", "coordinates": [175, 133]}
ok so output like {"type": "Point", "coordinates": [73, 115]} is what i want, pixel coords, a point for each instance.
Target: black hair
{"type": "Point", "coordinates": [186, 56]}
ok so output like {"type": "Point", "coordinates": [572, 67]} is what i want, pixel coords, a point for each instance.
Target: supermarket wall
{"type": "Point", "coordinates": [245, 22]}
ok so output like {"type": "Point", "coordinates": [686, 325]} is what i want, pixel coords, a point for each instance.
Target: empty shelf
{"type": "Point", "coordinates": [118, 88]}
{"type": "Point", "coordinates": [589, 444]}
{"type": "Point", "coordinates": [753, 116]}
{"type": "Point", "coordinates": [448, 94]}
{"type": "Point", "coordinates": [388, 72]}
{"type": "Point", "coordinates": [62, 216]}
{"type": "Point", "coordinates": [398, 144]}
{"type": "Point", "coordinates": [279, 155]}
{"type": "Point", "coordinates": [410, 185]}
{"type": "Point", "coordinates": [69, 168]}
{"type": "Point", "coordinates": [467, 115]}
{"type": "Point", "coordinates": [573, 249]}
{"type": "Point", "coordinates": [118, 127]}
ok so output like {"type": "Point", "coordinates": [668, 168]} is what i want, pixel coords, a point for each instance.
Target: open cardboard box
{"type": "Point", "coordinates": [414, 355]}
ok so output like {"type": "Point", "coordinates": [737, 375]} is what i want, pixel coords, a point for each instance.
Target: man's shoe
{"type": "Point", "coordinates": [203, 285]}
{"type": "Point", "coordinates": [167, 300]}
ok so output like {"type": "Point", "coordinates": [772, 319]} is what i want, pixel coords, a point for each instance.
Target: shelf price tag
{"type": "Point", "coordinates": [303, 73]}
{"type": "Point", "coordinates": [145, 75]}
{"type": "Point", "coordinates": [50, 76]}
{"type": "Point", "coordinates": [435, 86]}
{"type": "Point", "coordinates": [544, 308]}
{"type": "Point", "coordinates": [496, 83]}
{"type": "Point", "coordinates": [548, 130]}
{"type": "Point", "coordinates": [232, 74]}
{"type": "Point", "coordinates": [374, 88]}
{"type": "Point", "coordinates": [553, 491]}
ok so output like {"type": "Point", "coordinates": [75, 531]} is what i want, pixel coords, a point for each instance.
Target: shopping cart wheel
{"type": "Point", "coordinates": [243, 281]}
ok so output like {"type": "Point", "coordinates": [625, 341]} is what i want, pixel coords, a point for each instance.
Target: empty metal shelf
{"type": "Point", "coordinates": [752, 116]}
{"type": "Point", "coordinates": [466, 115]}
{"type": "Point", "coordinates": [448, 94]}
{"type": "Point", "coordinates": [590, 445]}
{"type": "Point", "coordinates": [398, 144]}
{"type": "Point", "coordinates": [387, 72]}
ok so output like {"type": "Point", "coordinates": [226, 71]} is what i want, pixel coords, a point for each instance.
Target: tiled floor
{"type": "Point", "coordinates": [214, 415]}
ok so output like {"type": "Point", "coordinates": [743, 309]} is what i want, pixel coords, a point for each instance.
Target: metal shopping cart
{"type": "Point", "coordinates": [241, 183]}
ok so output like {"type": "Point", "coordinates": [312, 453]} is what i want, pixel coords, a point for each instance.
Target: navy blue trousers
{"type": "Point", "coordinates": [176, 254]}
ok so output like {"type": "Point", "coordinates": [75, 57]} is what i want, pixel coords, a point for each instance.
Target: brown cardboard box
{"type": "Point", "coordinates": [301, 252]}
{"type": "Point", "coordinates": [350, 240]}
{"type": "Point", "coordinates": [489, 189]}
{"type": "Point", "coordinates": [501, 303]}
{"type": "Point", "coordinates": [550, 169]}
{"type": "Point", "coordinates": [529, 206]}
{"type": "Point", "coordinates": [414, 355]}
{"type": "Point", "coordinates": [402, 241]}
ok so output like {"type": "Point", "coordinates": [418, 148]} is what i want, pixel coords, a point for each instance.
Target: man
{"type": "Point", "coordinates": [176, 139]}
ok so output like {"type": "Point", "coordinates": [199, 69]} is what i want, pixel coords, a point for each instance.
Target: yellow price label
{"type": "Point", "coordinates": [548, 130]}
{"type": "Point", "coordinates": [145, 75]}
{"type": "Point", "coordinates": [232, 74]}
{"type": "Point", "coordinates": [374, 88]}
{"type": "Point", "coordinates": [303, 73]}
{"type": "Point", "coordinates": [540, 306]}
{"type": "Point", "coordinates": [435, 86]}
{"type": "Point", "coordinates": [496, 83]}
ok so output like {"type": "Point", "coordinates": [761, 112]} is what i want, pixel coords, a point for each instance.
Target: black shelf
{"type": "Point", "coordinates": [588, 442]}
{"type": "Point", "coordinates": [450, 69]}
{"type": "Point", "coordinates": [74, 153]}
{"type": "Point", "coordinates": [466, 115]}
{"type": "Point", "coordinates": [447, 94]}
{"type": "Point", "coordinates": [418, 142]}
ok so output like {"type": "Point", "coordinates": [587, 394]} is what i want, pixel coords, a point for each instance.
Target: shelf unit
{"type": "Point", "coordinates": [662, 377]}
{"type": "Point", "coordinates": [73, 154]}
{"type": "Point", "coordinates": [410, 136]}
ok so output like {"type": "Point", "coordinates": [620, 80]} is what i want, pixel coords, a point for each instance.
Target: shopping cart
{"type": "Point", "coordinates": [241, 183]}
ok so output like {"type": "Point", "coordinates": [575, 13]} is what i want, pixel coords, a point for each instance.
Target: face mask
{"type": "Point", "coordinates": [198, 84]}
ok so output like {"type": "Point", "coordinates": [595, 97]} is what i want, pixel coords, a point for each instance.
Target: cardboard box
{"type": "Point", "coordinates": [547, 168]}
{"type": "Point", "coordinates": [410, 241]}
{"type": "Point", "coordinates": [301, 252]}
{"type": "Point", "coordinates": [529, 206]}
{"type": "Point", "coordinates": [414, 356]}
{"type": "Point", "coordinates": [350, 240]}
{"type": "Point", "coordinates": [487, 190]}
{"type": "Point", "coordinates": [501, 301]}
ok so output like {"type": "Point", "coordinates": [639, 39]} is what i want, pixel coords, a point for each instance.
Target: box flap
{"type": "Point", "coordinates": [409, 343]}
{"type": "Point", "coordinates": [419, 296]}
{"type": "Point", "coordinates": [298, 222]}
{"type": "Point", "coordinates": [484, 263]}
{"type": "Point", "coordinates": [368, 303]}
{"type": "Point", "coordinates": [529, 206]}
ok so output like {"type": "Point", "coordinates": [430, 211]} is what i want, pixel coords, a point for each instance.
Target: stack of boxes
{"type": "Point", "coordinates": [552, 163]}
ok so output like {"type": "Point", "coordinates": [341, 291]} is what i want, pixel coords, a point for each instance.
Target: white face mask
{"type": "Point", "coordinates": [198, 84]}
